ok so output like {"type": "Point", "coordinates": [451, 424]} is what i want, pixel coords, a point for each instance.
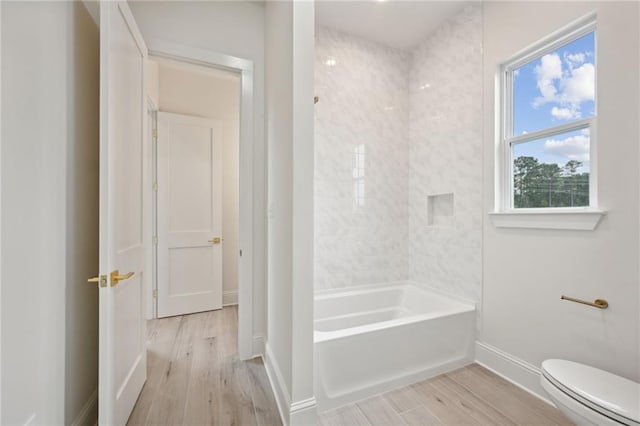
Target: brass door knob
{"type": "Point", "coordinates": [115, 278]}
{"type": "Point", "coordinates": [215, 240]}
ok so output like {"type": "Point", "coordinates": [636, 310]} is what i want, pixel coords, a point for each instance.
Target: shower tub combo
{"type": "Point", "coordinates": [372, 339]}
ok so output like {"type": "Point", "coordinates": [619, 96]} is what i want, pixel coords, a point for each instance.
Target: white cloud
{"type": "Point", "coordinates": [567, 84]}
{"type": "Point", "coordinates": [571, 148]}
{"type": "Point", "coordinates": [564, 113]}
{"type": "Point", "coordinates": [549, 70]}
{"type": "Point", "coordinates": [579, 86]}
{"type": "Point", "coordinates": [575, 59]}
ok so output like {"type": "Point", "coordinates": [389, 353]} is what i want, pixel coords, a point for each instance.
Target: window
{"type": "Point", "coordinates": [549, 112]}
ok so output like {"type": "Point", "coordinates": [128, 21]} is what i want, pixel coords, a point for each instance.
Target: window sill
{"type": "Point", "coordinates": [578, 220]}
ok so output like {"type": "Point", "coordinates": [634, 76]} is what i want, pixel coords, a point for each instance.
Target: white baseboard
{"type": "Point", "coordinates": [304, 413]}
{"type": "Point", "coordinates": [517, 371]}
{"type": "Point", "coordinates": [89, 413]}
{"type": "Point", "coordinates": [257, 346]}
{"type": "Point", "coordinates": [277, 384]}
{"type": "Point", "coordinates": [230, 298]}
{"type": "Point", "coordinates": [298, 413]}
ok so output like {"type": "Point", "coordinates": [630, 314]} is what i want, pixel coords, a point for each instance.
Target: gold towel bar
{"type": "Point", "coordinates": [598, 303]}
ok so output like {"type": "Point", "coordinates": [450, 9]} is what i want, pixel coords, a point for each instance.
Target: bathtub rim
{"type": "Point", "coordinates": [328, 293]}
{"type": "Point", "coordinates": [464, 306]}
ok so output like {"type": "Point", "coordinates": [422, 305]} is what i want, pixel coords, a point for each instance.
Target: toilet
{"type": "Point", "coordinates": [589, 396]}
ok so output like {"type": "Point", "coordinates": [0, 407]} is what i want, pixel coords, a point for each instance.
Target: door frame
{"type": "Point", "coordinates": [203, 57]}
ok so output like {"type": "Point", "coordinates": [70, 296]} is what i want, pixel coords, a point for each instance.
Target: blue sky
{"type": "Point", "coordinates": [556, 89]}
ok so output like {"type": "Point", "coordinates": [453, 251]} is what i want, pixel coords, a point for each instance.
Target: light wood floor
{"type": "Point", "coordinates": [468, 396]}
{"type": "Point", "coordinates": [194, 375]}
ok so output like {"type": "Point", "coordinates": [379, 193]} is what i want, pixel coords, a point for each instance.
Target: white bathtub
{"type": "Point", "coordinates": [371, 340]}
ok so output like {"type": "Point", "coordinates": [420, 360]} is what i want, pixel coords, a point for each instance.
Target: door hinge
{"type": "Point", "coordinates": [155, 239]}
{"type": "Point", "coordinates": [155, 294]}
{"type": "Point", "coordinates": [240, 252]}
{"type": "Point", "coordinates": [155, 186]}
{"type": "Point", "coordinates": [154, 132]}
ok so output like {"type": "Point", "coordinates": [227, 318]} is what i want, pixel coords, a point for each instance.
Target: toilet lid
{"type": "Point", "coordinates": [611, 395]}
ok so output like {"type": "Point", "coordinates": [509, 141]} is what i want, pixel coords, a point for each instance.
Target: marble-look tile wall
{"type": "Point", "coordinates": [446, 156]}
{"type": "Point", "coordinates": [361, 162]}
{"type": "Point", "coordinates": [395, 129]}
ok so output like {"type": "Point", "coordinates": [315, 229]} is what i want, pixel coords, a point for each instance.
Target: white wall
{"type": "Point", "coordinates": [445, 147]}
{"type": "Point", "coordinates": [289, 66]}
{"type": "Point", "coordinates": [49, 236]}
{"type": "Point", "coordinates": [29, 97]}
{"type": "Point", "coordinates": [212, 94]}
{"type": "Point", "coordinates": [361, 232]}
{"type": "Point", "coordinates": [237, 29]}
{"type": "Point", "coordinates": [279, 107]}
{"type": "Point", "coordinates": [526, 271]}
{"type": "Point", "coordinates": [82, 220]}
{"type": "Point", "coordinates": [303, 410]}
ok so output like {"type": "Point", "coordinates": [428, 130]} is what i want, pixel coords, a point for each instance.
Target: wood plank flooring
{"type": "Point", "coordinates": [195, 378]}
{"type": "Point", "coordinates": [468, 396]}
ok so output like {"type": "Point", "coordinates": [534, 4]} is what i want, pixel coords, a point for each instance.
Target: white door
{"type": "Point", "coordinates": [122, 331]}
{"type": "Point", "coordinates": [189, 214]}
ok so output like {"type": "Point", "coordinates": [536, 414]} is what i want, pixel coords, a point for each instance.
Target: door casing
{"type": "Point", "coordinates": [245, 68]}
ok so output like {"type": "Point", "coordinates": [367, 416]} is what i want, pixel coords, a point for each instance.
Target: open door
{"type": "Point", "coordinates": [122, 113]}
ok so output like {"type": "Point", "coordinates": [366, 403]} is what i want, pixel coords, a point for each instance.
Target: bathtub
{"type": "Point", "coordinates": [370, 340]}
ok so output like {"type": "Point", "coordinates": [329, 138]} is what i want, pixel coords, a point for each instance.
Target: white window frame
{"type": "Point", "coordinates": [505, 214]}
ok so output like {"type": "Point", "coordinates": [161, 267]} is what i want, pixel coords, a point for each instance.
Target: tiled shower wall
{"type": "Point", "coordinates": [398, 170]}
{"type": "Point", "coordinates": [361, 162]}
{"type": "Point", "coordinates": [446, 156]}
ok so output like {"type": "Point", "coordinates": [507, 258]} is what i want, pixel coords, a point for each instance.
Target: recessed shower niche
{"type": "Point", "coordinates": [440, 210]}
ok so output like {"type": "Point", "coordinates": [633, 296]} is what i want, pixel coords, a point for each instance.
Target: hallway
{"type": "Point", "coordinates": [194, 375]}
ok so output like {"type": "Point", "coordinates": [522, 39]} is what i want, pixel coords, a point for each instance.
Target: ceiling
{"type": "Point", "coordinates": [395, 23]}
